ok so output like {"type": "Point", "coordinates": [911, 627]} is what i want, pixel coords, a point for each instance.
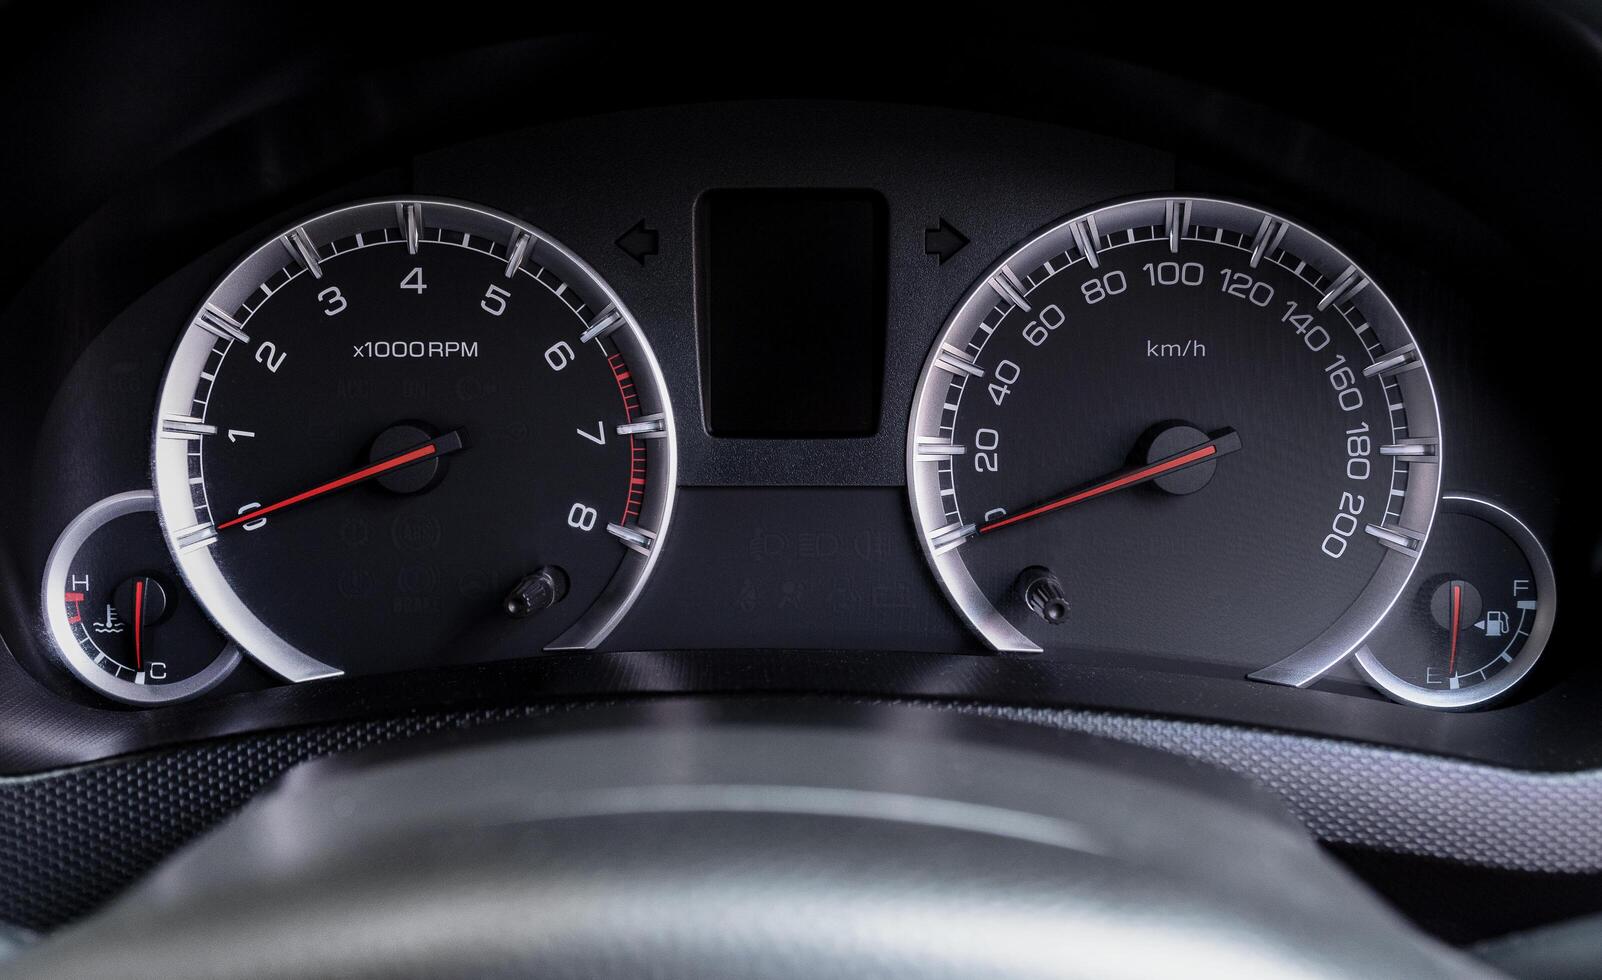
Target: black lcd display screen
{"type": "Point", "coordinates": [791, 306]}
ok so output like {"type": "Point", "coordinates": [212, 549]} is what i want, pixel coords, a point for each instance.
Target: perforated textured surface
{"type": "Point", "coordinates": [1383, 799]}
{"type": "Point", "coordinates": [71, 839]}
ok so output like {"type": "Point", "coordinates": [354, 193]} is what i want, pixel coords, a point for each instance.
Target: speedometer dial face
{"type": "Point", "coordinates": [409, 431]}
{"type": "Point", "coordinates": [1185, 428]}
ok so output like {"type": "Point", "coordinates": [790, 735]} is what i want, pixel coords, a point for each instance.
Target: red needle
{"type": "Point", "coordinates": [1457, 616]}
{"type": "Point", "coordinates": [139, 623]}
{"type": "Point", "coordinates": [1224, 442]}
{"type": "Point", "coordinates": [447, 443]}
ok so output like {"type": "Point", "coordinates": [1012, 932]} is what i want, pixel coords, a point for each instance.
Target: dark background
{"type": "Point", "coordinates": [1453, 148]}
{"type": "Point", "coordinates": [790, 293]}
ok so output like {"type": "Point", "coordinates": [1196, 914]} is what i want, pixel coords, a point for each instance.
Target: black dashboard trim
{"type": "Point", "coordinates": [48, 733]}
{"type": "Point", "coordinates": [72, 838]}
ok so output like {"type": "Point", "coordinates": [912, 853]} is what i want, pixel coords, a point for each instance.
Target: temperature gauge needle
{"type": "Point", "coordinates": [139, 624]}
{"type": "Point", "coordinates": [1222, 443]}
{"type": "Point", "coordinates": [450, 442]}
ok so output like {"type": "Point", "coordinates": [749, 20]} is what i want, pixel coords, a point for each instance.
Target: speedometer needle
{"type": "Point", "coordinates": [1222, 443]}
{"type": "Point", "coordinates": [450, 442]}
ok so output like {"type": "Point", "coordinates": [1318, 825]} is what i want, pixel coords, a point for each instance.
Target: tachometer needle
{"type": "Point", "coordinates": [450, 442]}
{"type": "Point", "coordinates": [1222, 443]}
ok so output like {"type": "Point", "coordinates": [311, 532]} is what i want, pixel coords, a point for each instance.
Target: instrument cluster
{"type": "Point", "coordinates": [984, 390]}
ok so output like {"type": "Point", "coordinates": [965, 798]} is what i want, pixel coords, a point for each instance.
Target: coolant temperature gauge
{"type": "Point", "coordinates": [1476, 615]}
{"type": "Point", "coordinates": [118, 614]}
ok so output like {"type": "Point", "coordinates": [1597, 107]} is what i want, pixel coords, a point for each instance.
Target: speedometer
{"type": "Point", "coordinates": [1178, 427]}
{"type": "Point", "coordinates": [411, 430]}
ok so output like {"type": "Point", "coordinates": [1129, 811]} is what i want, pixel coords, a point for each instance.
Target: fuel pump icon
{"type": "Point", "coordinates": [1494, 624]}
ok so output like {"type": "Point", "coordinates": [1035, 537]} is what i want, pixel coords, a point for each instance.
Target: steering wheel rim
{"type": "Point", "coordinates": [759, 840]}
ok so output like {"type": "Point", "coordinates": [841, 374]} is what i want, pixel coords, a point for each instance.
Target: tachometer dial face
{"type": "Point", "coordinates": [1474, 619]}
{"type": "Point", "coordinates": [1181, 427]}
{"type": "Point", "coordinates": [117, 612]}
{"type": "Point", "coordinates": [411, 431]}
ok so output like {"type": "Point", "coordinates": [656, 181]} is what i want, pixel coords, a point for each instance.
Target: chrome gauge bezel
{"type": "Point", "coordinates": [176, 506]}
{"type": "Point", "coordinates": [1417, 513]}
{"type": "Point", "coordinates": [1492, 689]}
{"type": "Point", "coordinates": [65, 643]}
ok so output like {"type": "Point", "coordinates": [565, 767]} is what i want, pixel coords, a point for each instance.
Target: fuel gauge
{"type": "Point", "coordinates": [1475, 617]}
{"type": "Point", "coordinates": [119, 616]}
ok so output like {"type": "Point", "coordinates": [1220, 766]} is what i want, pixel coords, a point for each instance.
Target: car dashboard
{"type": "Point", "coordinates": [1227, 406]}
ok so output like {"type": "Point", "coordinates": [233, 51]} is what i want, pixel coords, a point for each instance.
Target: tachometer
{"type": "Point", "coordinates": [1178, 427]}
{"type": "Point", "coordinates": [411, 430]}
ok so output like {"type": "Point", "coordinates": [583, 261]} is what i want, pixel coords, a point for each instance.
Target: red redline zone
{"type": "Point", "coordinates": [631, 401]}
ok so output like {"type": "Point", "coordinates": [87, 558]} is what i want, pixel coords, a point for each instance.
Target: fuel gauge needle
{"type": "Point", "coordinates": [1222, 443]}
{"type": "Point", "coordinates": [1457, 619]}
{"type": "Point", "coordinates": [450, 442]}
